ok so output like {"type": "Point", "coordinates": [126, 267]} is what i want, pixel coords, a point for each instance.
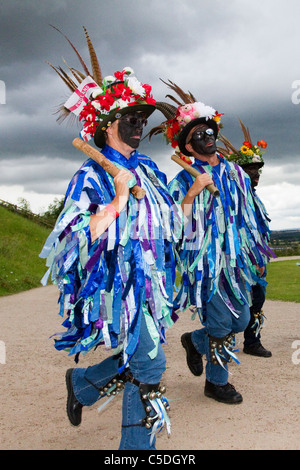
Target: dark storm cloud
{"type": "Point", "coordinates": [27, 40]}
{"type": "Point", "coordinates": [240, 58]}
{"type": "Point", "coordinates": [201, 46]}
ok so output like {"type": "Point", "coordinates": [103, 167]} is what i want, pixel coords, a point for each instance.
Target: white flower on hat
{"type": "Point", "coordinates": [256, 159]}
{"type": "Point", "coordinates": [128, 70]}
{"type": "Point", "coordinates": [96, 104]}
{"type": "Point", "coordinates": [109, 79]}
{"type": "Point", "coordinates": [204, 110]}
{"type": "Point", "coordinates": [191, 111]}
{"type": "Point", "coordinates": [96, 92]}
{"type": "Point", "coordinates": [136, 86]}
{"type": "Point", "coordinates": [119, 104]}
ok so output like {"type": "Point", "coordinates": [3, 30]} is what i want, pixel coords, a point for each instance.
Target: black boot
{"type": "Point", "coordinates": [223, 393]}
{"type": "Point", "coordinates": [257, 349]}
{"type": "Point", "coordinates": [74, 407]}
{"type": "Point", "coordinates": [193, 358]}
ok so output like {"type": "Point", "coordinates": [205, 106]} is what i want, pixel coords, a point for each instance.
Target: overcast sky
{"type": "Point", "coordinates": [240, 57]}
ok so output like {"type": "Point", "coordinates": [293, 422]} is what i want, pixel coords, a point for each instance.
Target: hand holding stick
{"type": "Point", "coordinates": [190, 169]}
{"type": "Point", "coordinates": [107, 165]}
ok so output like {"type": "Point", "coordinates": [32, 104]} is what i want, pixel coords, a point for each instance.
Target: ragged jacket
{"type": "Point", "coordinates": [224, 239]}
{"type": "Point", "coordinates": [107, 285]}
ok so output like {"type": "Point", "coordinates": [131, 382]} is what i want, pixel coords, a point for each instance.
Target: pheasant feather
{"type": "Point", "coordinates": [228, 145]}
{"type": "Point", "coordinates": [97, 74]}
{"type": "Point", "coordinates": [75, 73]}
{"type": "Point", "coordinates": [246, 132]}
{"type": "Point", "coordinates": [168, 110]}
{"type": "Point", "coordinates": [185, 97]}
{"type": "Point", "coordinates": [70, 84]}
{"type": "Point", "coordinates": [75, 50]}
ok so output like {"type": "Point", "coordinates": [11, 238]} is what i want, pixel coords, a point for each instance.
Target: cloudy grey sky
{"type": "Point", "coordinates": [240, 57]}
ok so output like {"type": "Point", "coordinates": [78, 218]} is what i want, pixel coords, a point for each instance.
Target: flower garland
{"type": "Point", "coordinates": [248, 153]}
{"type": "Point", "coordinates": [117, 92]}
{"type": "Point", "coordinates": [184, 115]}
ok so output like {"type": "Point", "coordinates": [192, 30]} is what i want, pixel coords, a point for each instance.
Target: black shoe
{"type": "Point", "coordinates": [193, 358]}
{"type": "Point", "coordinates": [223, 393]}
{"type": "Point", "coordinates": [257, 349]}
{"type": "Point", "coordinates": [74, 408]}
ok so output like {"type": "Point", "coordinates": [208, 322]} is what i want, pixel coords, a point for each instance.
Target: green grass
{"type": "Point", "coordinates": [283, 279]}
{"type": "Point", "coordinates": [21, 241]}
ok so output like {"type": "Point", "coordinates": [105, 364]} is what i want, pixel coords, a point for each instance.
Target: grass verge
{"type": "Point", "coordinates": [21, 241]}
{"type": "Point", "coordinates": [283, 279]}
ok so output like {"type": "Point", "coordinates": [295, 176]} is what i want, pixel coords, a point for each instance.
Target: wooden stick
{"type": "Point", "coordinates": [192, 171]}
{"type": "Point", "coordinates": [107, 165]}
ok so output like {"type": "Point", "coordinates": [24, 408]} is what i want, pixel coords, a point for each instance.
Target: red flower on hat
{"type": "Point", "coordinates": [88, 113]}
{"type": "Point", "coordinates": [262, 144]}
{"type": "Point", "coordinates": [122, 92]}
{"type": "Point", "coordinates": [90, 127]}
{"type": "Point", "coordinates": [150, 99]}
{"type": "Point", "coordinates": [117, 90]}
{"type": "Point", "coordinates": [119, 75]}
{"type": "Point", "coordinates": [147, 88]}
{"type": "Point", "coordinates": [171, 131]}
{"type": "Point", "coordinates": [247, 144]}
{"type": "Point", "coordinates": [106, 101]}
{"type": "Point", "coordinates": [127, 93]}
{"type": "Point", "coordinates": [149, 96]}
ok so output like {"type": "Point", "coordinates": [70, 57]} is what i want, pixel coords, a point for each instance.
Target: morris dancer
{"type": "Point", "coordinates": [113, 261]}
{"type": "Point", "coordinates": [250, 158]}
{"type": "Point", "coordinates": [222, 245]}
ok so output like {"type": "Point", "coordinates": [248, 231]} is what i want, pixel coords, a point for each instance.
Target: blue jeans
{"type": "Point", "coordinates": [219, 323]}
{"type": "Point", "coordinates": [143, 369]}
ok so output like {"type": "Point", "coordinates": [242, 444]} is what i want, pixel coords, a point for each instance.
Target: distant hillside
{"type": "Point", "coordinates": [286, 234]}
{"type": "Point", "coordinates": [21, 241]}
{"type": "Point", "coordinates": [47, 219]}
{"type": "Point", "coordinates": [286, 242]}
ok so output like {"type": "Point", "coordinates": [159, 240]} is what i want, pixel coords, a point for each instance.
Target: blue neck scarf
{"type": "Point", "coordinates": [115, 156]}
{"type": "Point", "coordinates": [216, 168]}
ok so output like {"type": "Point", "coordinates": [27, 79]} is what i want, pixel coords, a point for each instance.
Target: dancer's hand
{"type": "Point", "coordinates": [122, 190]}
{"type": "Point", "coordinates": [199, 184]}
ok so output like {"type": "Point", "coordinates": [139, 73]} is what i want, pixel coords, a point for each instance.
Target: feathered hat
{"type": "Point", "coordinates": [183, 117]}
{"type": "Point", "coordinates": [98, 101]}
{"type": "Point", "coordinates": [248, 154]}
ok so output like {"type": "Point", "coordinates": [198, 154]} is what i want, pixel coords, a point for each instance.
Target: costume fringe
{"type": "Point", "coordinates": [107, 285]}
{"type": "Point", "coordinates": [225, 239]}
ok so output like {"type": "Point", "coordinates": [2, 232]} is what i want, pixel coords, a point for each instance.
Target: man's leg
{"type": "Point", "coordinates": [252, 343]}
{"type": "Point", "coordinates": [193, 356]}
{"type": "Point", "coordinates": [84, 386]}
{"type": "Point", "coordinates": [147, 374]}
{"type": "Point", "coordinates": [216, 339]}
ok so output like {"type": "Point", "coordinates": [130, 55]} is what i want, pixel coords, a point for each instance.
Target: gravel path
{"type": "Point", "coordinates": [32, 383]}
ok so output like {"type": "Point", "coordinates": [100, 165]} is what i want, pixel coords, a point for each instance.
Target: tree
{"type": "Point", "coordinates": [53, 211]}
{"type": "Point", "coordinates": [23, 204]}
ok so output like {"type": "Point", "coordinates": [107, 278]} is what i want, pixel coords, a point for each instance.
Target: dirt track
{"type": "Point", "coordinates": [32, 384]}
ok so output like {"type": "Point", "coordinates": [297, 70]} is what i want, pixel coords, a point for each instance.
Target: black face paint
{"type": "Point", "coordinates": [131, 128]}
{"type": "Point", "coordinates": [254, 172]}
{"type": "Point", "coordinates": [203, 141]}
